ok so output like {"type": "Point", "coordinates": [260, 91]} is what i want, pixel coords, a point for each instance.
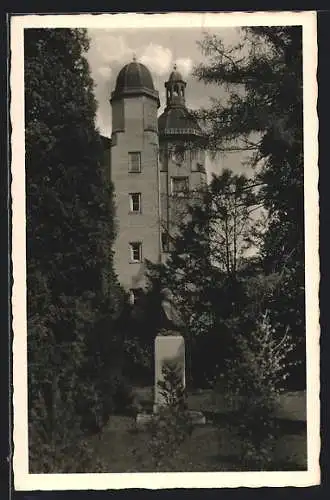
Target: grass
{"type": "Point", "coordinates": [212, 447]}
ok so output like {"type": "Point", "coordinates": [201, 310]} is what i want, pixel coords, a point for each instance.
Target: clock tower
{"type": "Point", "coordinates": [181, 159]}
{"type": "Point", "coordinates": [157, 167]}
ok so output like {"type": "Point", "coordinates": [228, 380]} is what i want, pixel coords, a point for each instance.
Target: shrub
{"type": "Point", "coordinates": [122, 396]}
{"type": "Point", "coordinates": [138, 360]}
{"type": "Point", "coordinates": [58, 445]}
{"type": "Point", "coordinates": [255, 381]}
{"type": "Point", "coordinates": [172, 426]}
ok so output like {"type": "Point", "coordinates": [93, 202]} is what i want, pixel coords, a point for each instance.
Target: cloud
{"type": "Point", "coordinates": [111, 49]}
{"type": "Point", "coordinates": [157, 58]}
{"type": "Point", "coordinates": [106, 48]}
{"type": "Point", "coordinates": [185, 66]}
{"type": "Point", "coordinates": [104, 72]}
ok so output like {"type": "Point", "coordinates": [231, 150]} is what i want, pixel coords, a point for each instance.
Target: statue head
{"type": "Point", "coordinates": [169, 308]}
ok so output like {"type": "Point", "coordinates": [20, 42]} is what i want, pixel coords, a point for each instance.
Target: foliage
{"type": "Point", "coordinates": [137, 326]}
{"type": "Point", "coordinates": [231, 222]}
{"type": "Point", "coordinates": [203, 270]}
{"type": "Point", "coordinates": [72, 294]}
{"type": "Point", "coordinates": [138, 354]}
{"type": "Point", "coordinates": [59, 446]}
{"type": "Point", "coordinates": [171, 387]}
{"type": "Point", "coordinates": [254, 381]}
{"type": "Point", "coordinates": [171, 426]}
{"type": "Point", "coordinates": [263, 116]}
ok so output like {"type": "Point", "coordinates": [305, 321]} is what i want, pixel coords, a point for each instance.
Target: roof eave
{"type": "Point", "coordinates": [135, 92]}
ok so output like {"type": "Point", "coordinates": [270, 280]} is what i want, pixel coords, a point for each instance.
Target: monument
{"type": "Point", "coordinates": [169, 345]}
{"type": "Point", "coordinates": [169, 349]}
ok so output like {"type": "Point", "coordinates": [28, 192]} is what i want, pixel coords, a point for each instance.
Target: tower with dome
{"type": "Point", "coordinates": [156, 167]}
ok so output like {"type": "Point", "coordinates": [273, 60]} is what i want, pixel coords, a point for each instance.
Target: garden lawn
{"type": "Point", "coordinates": [123, 446]}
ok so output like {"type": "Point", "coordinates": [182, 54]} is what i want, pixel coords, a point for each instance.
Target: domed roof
{"type": "Point", "coordinates": [134, 75]}
{"type": "Point", "coordinates": [178, 121]}
{"type": "Point", "coordinates": [134, 78]}
{"type": "Point", "coordinates": [175, 76]}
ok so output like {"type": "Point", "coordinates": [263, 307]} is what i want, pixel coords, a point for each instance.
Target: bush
{"type": "Point", "coordinates": [139, 360]}
{"type": "Point", "coordinates": [254, 382]}
{"type": "Point", "coordinates": [172, 426]}
{"type": "Point", "coordinates": [58, 445]}
{"type": "Point", "coordinates": [122, 396]}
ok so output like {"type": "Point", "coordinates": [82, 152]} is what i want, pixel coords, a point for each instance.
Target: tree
{"type": "Point", "coordinates": [263, 115]}
{"type": "Point", "coordinates": [254, 381]}
{"type": "Point", "coordinates": [203, 269]}
{"type": "Point", "coordinates": [73, 296]}
{"type": "Point", "coordinates": [231, 221]}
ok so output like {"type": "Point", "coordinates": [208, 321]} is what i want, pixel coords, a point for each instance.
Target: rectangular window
{"type": "Point", "coordinates": [135, 202]}
{"type": "Point", "coordinates": [134, 162]}
{"type": "Point", "coordinates": [136, 251]}
{"type": "Point", "coordinates": [180, 186]}
{"type": "Point", "coordinates": [193, 154]}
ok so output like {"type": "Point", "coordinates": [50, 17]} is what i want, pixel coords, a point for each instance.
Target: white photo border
{"type": "Point", "coordinates": [28, 482]}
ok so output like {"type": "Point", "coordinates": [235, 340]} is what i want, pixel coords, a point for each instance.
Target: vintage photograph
{"type": "Point", "coordinates": [165, 235]}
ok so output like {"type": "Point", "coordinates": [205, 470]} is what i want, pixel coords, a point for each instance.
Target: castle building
{"type": "Point", "coordinates": [156, 164]}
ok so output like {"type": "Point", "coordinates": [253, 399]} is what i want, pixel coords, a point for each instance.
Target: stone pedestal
{"type": "Point", "coordinates": [168, 348]}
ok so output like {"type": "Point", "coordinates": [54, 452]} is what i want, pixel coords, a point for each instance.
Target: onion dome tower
{"type": "Point", "coordinates": [176, 119]}
{"type": "Point", "coordinates": [181, 155]}
{"type": "Point", "coordinates": [134, 173]}
{"type": "Point", "coordinates": [134, 79]}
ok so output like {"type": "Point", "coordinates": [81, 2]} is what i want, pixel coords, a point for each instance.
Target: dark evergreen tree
{"type": "Point", "coordinates": [263, 115]}
{"type": "Point", "coordinates": [72, 292]}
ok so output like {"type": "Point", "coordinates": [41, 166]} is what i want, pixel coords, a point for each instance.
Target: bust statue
{"type": "Point", "coordinates": [171, 317]}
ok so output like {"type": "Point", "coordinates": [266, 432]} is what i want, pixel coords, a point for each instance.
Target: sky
{"type": "Point", "coordinates": [158, 49]}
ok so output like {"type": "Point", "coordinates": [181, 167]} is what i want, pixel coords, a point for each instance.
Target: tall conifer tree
{"type": "Point", "coordinates": [72, 292]}
{"type": "Point", "coordinates": [264, 115]}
